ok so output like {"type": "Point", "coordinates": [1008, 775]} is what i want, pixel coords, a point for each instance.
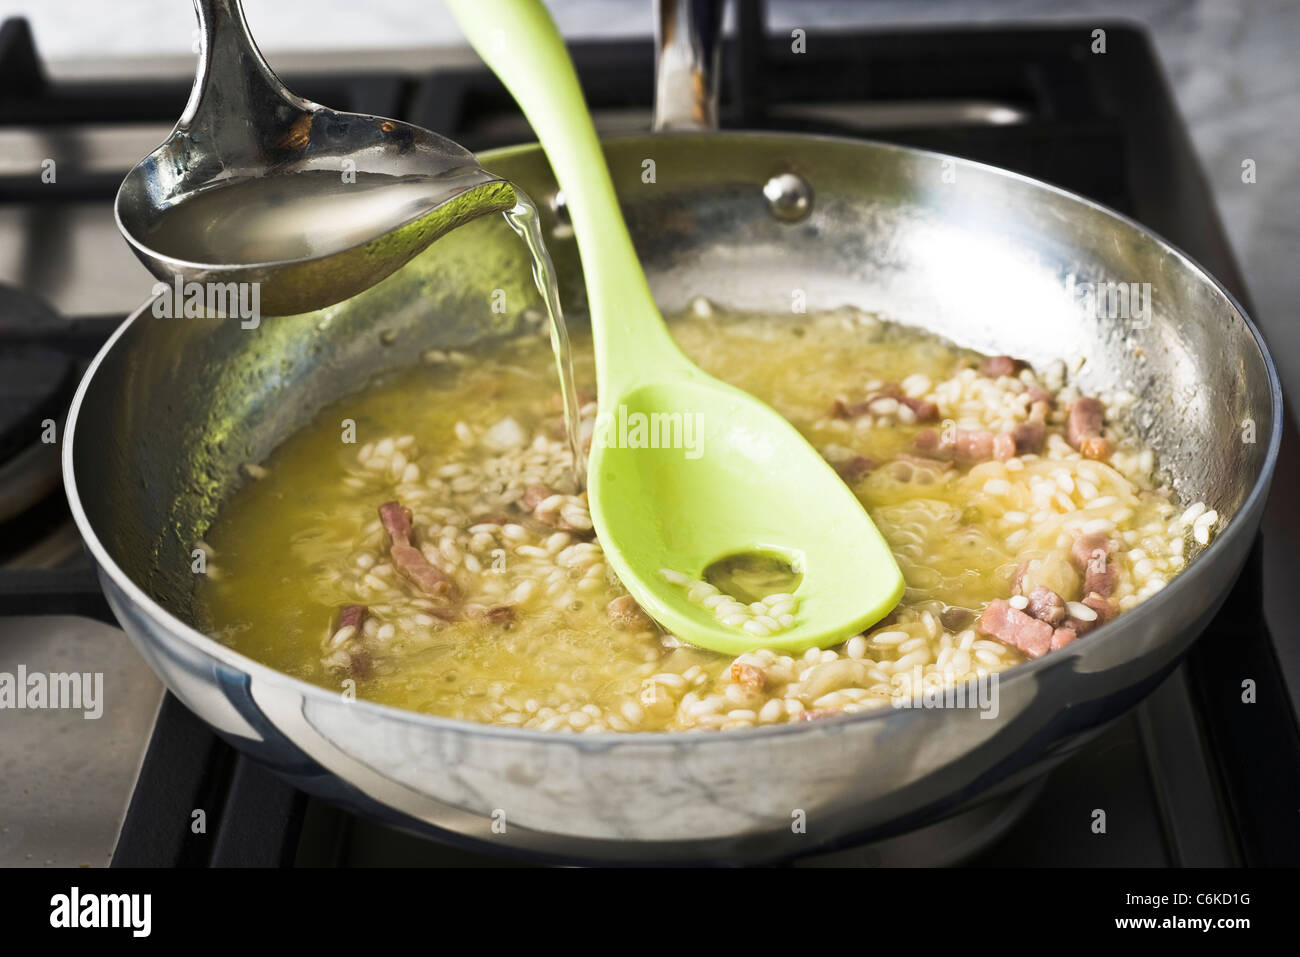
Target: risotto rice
{"type": "Point", "coordinates": [970, 467]}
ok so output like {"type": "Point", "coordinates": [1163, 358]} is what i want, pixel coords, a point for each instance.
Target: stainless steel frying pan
{"type": "Point", "coordinates": [171, 407]}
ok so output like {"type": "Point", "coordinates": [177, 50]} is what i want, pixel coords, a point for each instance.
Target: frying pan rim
{"type": "Point", "coordinates": [600, 741]}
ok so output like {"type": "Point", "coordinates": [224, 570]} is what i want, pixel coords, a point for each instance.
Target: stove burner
{"type": "Point", "coordinates": [36, 384]}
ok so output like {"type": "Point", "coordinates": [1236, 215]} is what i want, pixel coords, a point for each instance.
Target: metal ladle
{"type": "Point", "coordinates": [241, 124]}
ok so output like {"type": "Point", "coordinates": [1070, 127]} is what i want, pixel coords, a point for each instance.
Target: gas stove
{"type": "Point", "coordinates": [1179, 775]}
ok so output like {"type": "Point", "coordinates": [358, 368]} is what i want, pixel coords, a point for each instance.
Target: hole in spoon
{"type": "Point", "coordinates": [752, 576]}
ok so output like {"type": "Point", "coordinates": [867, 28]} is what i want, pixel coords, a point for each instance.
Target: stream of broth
{"type": "Point", "coordinates": [527, 224]}
{"type": "Point", "coordinates": [317, 213]}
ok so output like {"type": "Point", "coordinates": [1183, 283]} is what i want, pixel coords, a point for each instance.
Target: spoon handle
{"type": "Point", "coordinates": [520, 43]}
{"type": "Point", "coordinates": [235, 92]}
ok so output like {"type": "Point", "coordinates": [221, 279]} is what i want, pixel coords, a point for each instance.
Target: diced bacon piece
{"type": "Point", "coordinates": [852, 469]}
{"type": "Point", "coordinates": [1039, 396]}
{"type": "Point", "coordinates": [352, 615]}
{"type": "Point", "coordinates": [1062, 637]}
{"type": "Point", "coordinates": [1100, 577]}
{"type": "Point", "coordinates": [973, 445]}
{"type": "Point", "coordinates": [626, 615]}
{"type": "Point", "coordinates": [922, 410]}
{"type": "Point", "coordinates": [845, 410]}
{"type": "Point", "coordinates": [1087, 548]}
{"type": "Point", "coordinates": [1095, 447]}
{"type": "Point", "coordinates": [1004, 446]}
{"type": "Point", "coordinates": [1046, 605]}
{"type": "Point", "coordinates": [1083, 427]}
{"type": "Point", "coordinates": [426, 576]}
{"type": "Point", "coordinates": [1015, 628]}
{"type": "Point", "coordinates": [995, 366]}
{"type": "Point", "coordinates": [1102, 606]}
{"type": "Point", "coordinates": [956, 618]}
{"type": "Point", "coordinates": [964, 445]}
{"type": "Point", "coordinates": [397, 521]}
{"type": "Point", "coordinates": [1099, 610]}
{"type": "Point", "coordinates": [1029, 437]}
{"type": "Point", "coordinates": [359, 665]}
{"type": "Point", "coordinates": [1091, 555]}
{"type": "Point", "coordinates": [408, 559]}
{"type": "Point", "coordinates": [841, 409]}
{"type": "Point", "coordinates": [1078, 625]}
{"type": "Point", "coordinates": [535, 495]}
{"type": "Point", "coordinates": [927, 442]}
{"type": "Point", "coordinates": [353, 658]}
{"type": "Point", "coordinates": [748, 677]}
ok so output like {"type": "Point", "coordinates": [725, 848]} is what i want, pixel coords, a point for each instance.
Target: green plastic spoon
{"type": "Point", "coordinates": [741, 480]}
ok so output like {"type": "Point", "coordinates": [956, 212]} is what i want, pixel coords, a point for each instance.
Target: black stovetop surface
{"type": "Point", "coordinates": [1191, 776]}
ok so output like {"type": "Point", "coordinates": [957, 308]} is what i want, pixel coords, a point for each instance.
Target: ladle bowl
{"type": "Point", "coordinates": [242, 127]}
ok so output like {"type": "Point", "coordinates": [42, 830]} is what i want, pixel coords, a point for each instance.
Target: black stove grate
{"type": "Point", "coordinates": [1181, 775]}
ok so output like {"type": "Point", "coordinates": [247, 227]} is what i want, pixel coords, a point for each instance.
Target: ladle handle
{"type": "Point", "coordinates": [236, 95]}
{"type": "Point", "coordinates": [520, 42]}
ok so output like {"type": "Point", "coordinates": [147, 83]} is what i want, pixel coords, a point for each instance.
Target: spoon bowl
{"type": "Point", "coordinates": [740, 483]}
{"type": "Point", "coordinates": [252, 185]}
{"type": "Point", "coordinates": [685, 470]}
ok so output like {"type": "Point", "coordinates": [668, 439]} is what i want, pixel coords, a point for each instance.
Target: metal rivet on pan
{"type": "Point", "coordinates": [563, 228]}
{"type": "Point", "coordinates": [789, 197]}
{"type": "Point", "coordinates": [560, 207]}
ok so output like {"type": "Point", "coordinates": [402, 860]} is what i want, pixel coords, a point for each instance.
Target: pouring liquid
{"type": "Point", "coordinates": [316, 213]}
{"type": "Point", "coordinates": [526, 223]}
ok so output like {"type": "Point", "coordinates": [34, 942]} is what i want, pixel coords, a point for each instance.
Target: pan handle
{"type": "Point", "coordinates": [687, 41]}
